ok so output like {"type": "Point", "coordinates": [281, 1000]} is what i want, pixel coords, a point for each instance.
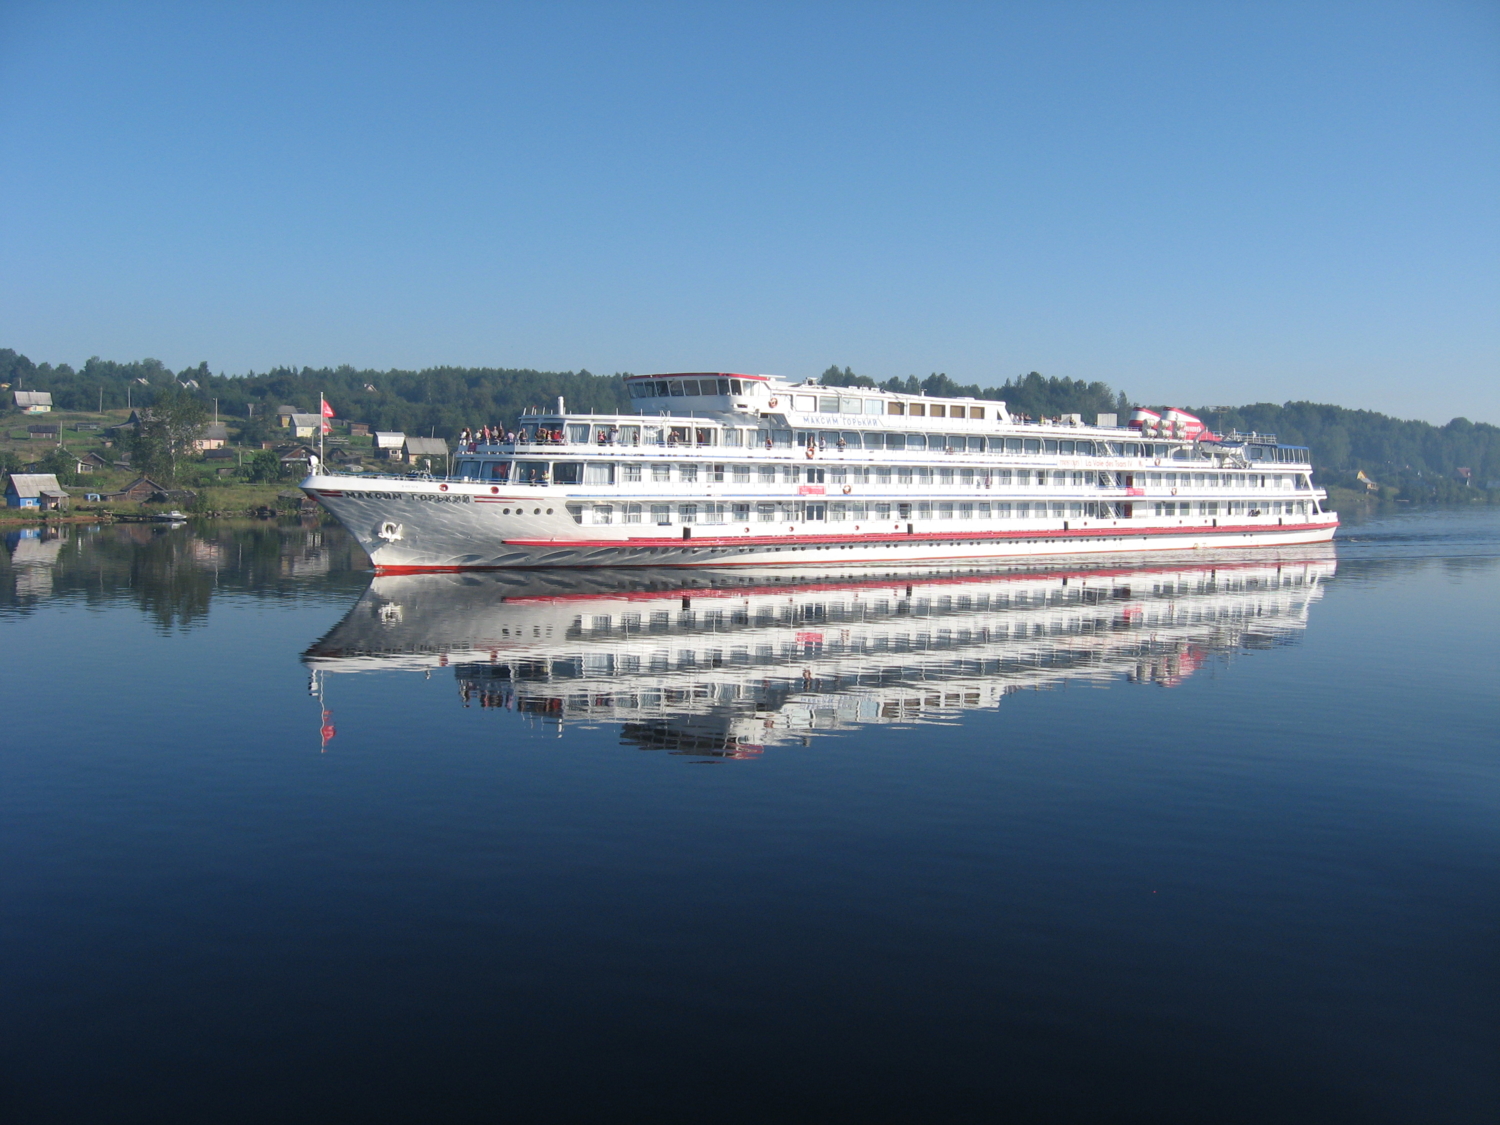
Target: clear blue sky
{"type": "Point", "coordinates": [1196, 202]}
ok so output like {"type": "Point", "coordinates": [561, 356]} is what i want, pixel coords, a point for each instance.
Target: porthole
{"type": "Point", "coordinates": [549, 511]}
{"type": "Point", "coordinates": [505, 511]}
{"type": "Point", "coordinates": [536, 511]}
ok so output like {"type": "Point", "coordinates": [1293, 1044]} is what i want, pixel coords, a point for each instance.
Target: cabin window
{"type": "Point", "coordinates": [1066, 448]}
{"type": "Point", "coordinates": [976, 412]}
{"type": "Point", "coordinates": [945, 510]}
{"type": "Point", "coordinates": [850, 439]}
{"type": "Point", "coordinates": [924, 509]}
{"type": "Point", "coordinates": [815, 475]}
{"type": "Point", "coordinates": [661, 473]}
{"type": "Point", "coordinates": [918, 409]}
{"type": "Point", "coordinates": [742, 513]}
{"type": "Point", "coordinates": [838, 474]}
{"type": "Point", "coordinates": [734, 436]}
{"type": "Point", "coordinates": [567, 472]}
{"type": "Point", "coordinates": [976, 445]}
{"type": "Point", "coordinates": [1049, 446]}
{"type": "Point", "coordinates": [940, 411]}
{"type": "Point", "coordinates": [924, 475]}
{"type": "Point", "coordinates": [828, 404]}
{"type": "Point", "coordinates": [861, 510]}
{"type": "Point", "coordinates": [704, 436]}
{"type": "Point", "coordinates": [903, 474]}
{"type": "Point", "coordinates": [966, 511]}
{"type": "Point", "coordinates": [653, 435]}
{"type": "Point", "coordinates": [882, 511]}
{"type": "Point", "coordinates": [767, 474]}
{"type": "Point", "coordinates": [874, 406]}
{"type": "Point", "coordinates": [807, 404]}
{"type": "Point", "coordinates": [782, 438]}
{"type": "Point", "coordinates": [966, 477]}
{"type": "Point", "coordinates": [1002, 476]}
{"type": "Point", "coordinates": [1023, 510]}
{"type": "Point", "coordinates": [677, 435]}
{"type": "Point", "coordinates": [883, 474]}
{"type": "Point", "coordinates": [741, 474]}
{"type": "Point", "coordinates": [716, 474]}
{"type": "Point", "coordinates": [531, 472]}
{"type": "Point", "coordinates": [982, 510]}
{"type": "Point", "coordinates": [916, 441]}
{"type": "Point", "coordinates": [895, 408]}
{"type": "Point", "coordinates": [713, 513]}
{"type": "Point", "coordinates": [599, 472]}
{"type": "Point", "coordinates": [1013, 445]}
{"type": "Point", "coordinates": [874, 441]}
{"type": "Point", "coordinates": [817, 511]}
{"type": "Point", "coordinates": [895, 441]}
{"type": "Point", "coordinates": [687, 473]}
{"type": "Point", "coordinates": [839, 512]}
{"type": "Point", "coordinates": [849, 406]}
{"type": "Point", "coordinates": [1002, 511]}
{"type": "Point", "coordinates": [945, 476]}
{"type": "Point", "coordinates": [765, 512]}
{"type": "Point", "coordinates": [789, 474]}
{"type": "Point", "coordinates": [661, 514]}
{"type": "Point", "coordinates": [604, 514]}
{"type": "Point", "coordinates": [1030, 445]}
{"type": "Point", "coordinates": [630, 472]}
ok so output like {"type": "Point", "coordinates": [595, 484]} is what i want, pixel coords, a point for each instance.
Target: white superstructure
{"type": "Point", "coordinates": [728, 470]}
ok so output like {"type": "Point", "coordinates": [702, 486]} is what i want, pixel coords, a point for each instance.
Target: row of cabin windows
{"type": "Point", "coordinates": [693, 473]}
{"type": "Point", "coordinates": [1231, 508]}
{"type": "Point", "coordinates": [689, 435]}
{"type": "Point", "coordinates": [814, 511]}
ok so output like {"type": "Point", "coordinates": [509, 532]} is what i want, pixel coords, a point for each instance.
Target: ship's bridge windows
{"type": "Point", "coordinates": [849, 406]}
{"type": "Point", "coordinates": [828, 404]}
{"type": "Point", "coordinates": [874, 406]}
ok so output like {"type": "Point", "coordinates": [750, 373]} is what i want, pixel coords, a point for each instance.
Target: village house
{"type": "Point", "coordinates": [44, 433]}
{"type": "Point", "coordinates": [306, 425]}
{"type": "Point", "coordinates": [34, 490]}
{"type": "Point", "coordinates": [284, 415]}
{"type": "Point", "coordinates": [298, 458]}
{"type": "Point", "coordinates": [424, 451]}
{"type": "Point", "coordinates": [93, 460]}
{"type": "Point", "coordinates": [359, 429]}
{"type": "Point", "coordinates": [139, 490]}
{"type": "Point", "coordinates": [215, 436]}
{"type": "Point", "coordinates": [34, 402]}
{"type": "Point", "coordinates": [389, 445]}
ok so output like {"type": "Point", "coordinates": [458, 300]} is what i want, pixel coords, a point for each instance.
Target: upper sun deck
{"type": "Point", "coordinates": [803, 403]}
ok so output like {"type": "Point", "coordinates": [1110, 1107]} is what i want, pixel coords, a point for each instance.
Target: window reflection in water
{"type": "Point", "coordinates": [728, 663]}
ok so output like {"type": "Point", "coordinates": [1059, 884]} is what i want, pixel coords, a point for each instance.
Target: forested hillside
{"type": "Point", "coordinates": [1409, 459]}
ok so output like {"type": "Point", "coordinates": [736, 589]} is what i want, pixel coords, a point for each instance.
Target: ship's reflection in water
{"type": "Point", "coordinates": [727, 663]}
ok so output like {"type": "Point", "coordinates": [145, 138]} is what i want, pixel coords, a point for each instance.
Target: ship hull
{"type": "Point", "coordinates": [418, 526]}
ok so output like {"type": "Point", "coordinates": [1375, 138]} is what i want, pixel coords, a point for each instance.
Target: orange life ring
{"type": "Point", "coordinates": [772, 404]}
{"type": "Point", "coordinates": [809, 453]}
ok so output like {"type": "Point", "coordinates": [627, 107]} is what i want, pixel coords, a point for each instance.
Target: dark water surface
{"type": "Point", "coordinates": [1184, 839]}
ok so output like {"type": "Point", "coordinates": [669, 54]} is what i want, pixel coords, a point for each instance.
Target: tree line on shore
{"type": "Point", "coordinates": [1409, 459]}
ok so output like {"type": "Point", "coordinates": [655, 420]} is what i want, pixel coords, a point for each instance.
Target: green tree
{"type": "Point", "coordinates": [264, 467]}
{"type": "Point", "coordinates": [165, 432]}
{"type": "Point", "coordinates": [61, 464]}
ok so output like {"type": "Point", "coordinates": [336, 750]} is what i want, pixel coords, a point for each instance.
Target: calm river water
{"type": "Point", "coordinates": [1185, 839]}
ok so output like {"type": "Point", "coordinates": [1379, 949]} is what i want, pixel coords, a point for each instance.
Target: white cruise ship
{"type": "Point", "coordinates": [751, 470]}
{"type": "Point", "coordinates": [725, 663]}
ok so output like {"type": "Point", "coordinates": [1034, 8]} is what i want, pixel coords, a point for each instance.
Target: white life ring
{"type": "Point", "coordinates": [772, 404]}
{"type": "Point", "coordinates": [1174, 492]}
{"type": "Point", "coordinates": [809, 453]}
{"type": "Point", "coordinates": [389, 531]}
{"type": "Point", "coordinates": [847, 490]}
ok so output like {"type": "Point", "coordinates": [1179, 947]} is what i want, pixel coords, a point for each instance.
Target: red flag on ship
{"type": "Point", "coordinates": [327, 414]}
